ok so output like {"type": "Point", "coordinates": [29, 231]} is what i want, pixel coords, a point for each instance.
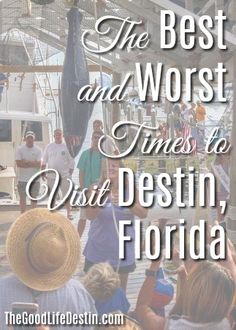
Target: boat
{"type": "Point", "coordinates": [20, 110]}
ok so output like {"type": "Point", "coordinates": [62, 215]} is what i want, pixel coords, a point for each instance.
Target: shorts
{"type": "Point", "coordinates": [63, 186]}
{"type": "Point", "coordinates": [34, 191]}
{"type": "Point", "coordinates": [82, 213]}
{"type": "Point", "coordinates": [122, 269]}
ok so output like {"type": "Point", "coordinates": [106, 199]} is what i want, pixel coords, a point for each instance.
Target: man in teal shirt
{"type": "Point", "coordinates": [89, 165]}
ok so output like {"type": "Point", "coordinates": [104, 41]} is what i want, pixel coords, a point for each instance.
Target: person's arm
{"type": "Point", "coordinates": [230, 261]}
{"type": "Point", "coordinates": [28, 163]}
{"type": "Point", "coordinates": [81, 178]}
{"type": "Point", "coordinates": [82, 168]}
{"type": "Point", "coordinates": [45, 159]}
{"type": "Point", "coordinates": [44, 162]}
{"type": "Point", "coordinates": [38, 162]}
{"type": "Point", "coordinates": [21, 163]}
{"type": "Point", "coordinates": [71, 170]}
{"type": "Point", "coordinates": [145, 315]}
{"type": "Point", "coordinates": [93, 211]}
{"type": "Point", "coordinates": [138, 209]}
{"type": "Point", "coordinates": [43, 167]}
{"type": "Point", "coordinates": [33, 163]}
{"type": "Point", "coordinates": [71, 164]}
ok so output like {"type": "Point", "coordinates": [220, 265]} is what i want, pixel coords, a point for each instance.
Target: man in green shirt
{"type": "Point", "coordinates": [89, 165]}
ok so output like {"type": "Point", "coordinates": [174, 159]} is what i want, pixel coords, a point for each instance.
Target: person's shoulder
{"type": "Point", "coordinates": [37, 148]}
{"type": "Point", "coordinates": [79, 296]}
{"type": "Point", "coordinates": [50, 146]}
{"type": "Point", "coordinates": [20, 147]}
{"type": "Point", "coordinates": [9, 281]}
{"type": "Point", "coordinates": [75, 284]}
{"type": "Point", "coordinates": [64, 146]}
{"type": "Point", "coordinates": [76, 289]}
{"type": "Point", "coordinates": [120, 292]}
{"type": "Point", "coordinates": [84, 154]}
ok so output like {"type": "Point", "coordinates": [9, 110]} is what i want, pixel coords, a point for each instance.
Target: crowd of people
{"type": "Point", "coordinates": [43, 250]}
{"type": "Point", "coordinates": [181, 120]}
{"type": "Point", "coordinates": [184, 120]}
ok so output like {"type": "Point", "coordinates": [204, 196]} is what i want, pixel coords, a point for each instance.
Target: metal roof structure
{"type": "Point", "coordinates": [49, 25]}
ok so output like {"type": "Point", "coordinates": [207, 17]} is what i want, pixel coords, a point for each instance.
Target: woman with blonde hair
{"type": "Point", "coordinates": [208, 297]}
{"type": "Point", "coordinates": [103, 283]}
{"type": "Point", "coordinates": [204, 299]}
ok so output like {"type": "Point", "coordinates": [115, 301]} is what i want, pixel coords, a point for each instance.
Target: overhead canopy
{"type": "Point", "coordinates": [49, 25]}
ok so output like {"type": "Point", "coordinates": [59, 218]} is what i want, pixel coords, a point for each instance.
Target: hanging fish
{"type": "Point", "coordinates": [75, 114]}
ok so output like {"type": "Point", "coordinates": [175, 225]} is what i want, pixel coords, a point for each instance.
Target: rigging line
{"type": "Point", "coordinates": [31, 62]}
{"type": "Point", "coordinates": [49, 83]}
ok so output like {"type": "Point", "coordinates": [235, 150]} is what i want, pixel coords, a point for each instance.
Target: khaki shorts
{"type": "Point", "coordinates": [34, 191]}
{"type": "Point", "coordinates": [82, 215]}
{"type": "Point", "coordinates": [63, 186]}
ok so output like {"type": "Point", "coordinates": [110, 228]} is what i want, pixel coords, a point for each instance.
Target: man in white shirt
{"type": "Point", "coordinates": [28, 162]}
{"type": "Point", "coordinates": [56, 156]}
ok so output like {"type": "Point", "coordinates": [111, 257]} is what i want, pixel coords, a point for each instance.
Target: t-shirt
{"type": "Point", "coordinates": [57, 156]}
{"type": "Point", "coordinates": [31, 154]}
{"type": "Point", "coordinates": [118, 302]}
{"type": "Point", "coordinates": [200, 113]}
{"type": "Point", "coordinates": [103, 241]}
{"type": "Point", "coordinates": [90, 163]}
{"type": "Point", "coordinates": [72, 297]}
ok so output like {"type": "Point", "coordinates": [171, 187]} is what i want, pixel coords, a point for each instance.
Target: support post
{"type": "Point", "coordinates": [116, 105]}
{"type": "Point", "coordinates": [189, 5]}
{"type": "Point", "coordinates": [231, 219]}
{"type": "Point", "coordinates": [219, 5]}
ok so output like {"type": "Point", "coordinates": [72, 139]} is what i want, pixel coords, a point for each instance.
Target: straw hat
{"type": "Point", "coordinates": [43, 249]}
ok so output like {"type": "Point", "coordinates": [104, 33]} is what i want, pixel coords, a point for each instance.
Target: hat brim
{"type": "Point", "coordinates": [17, 256]}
